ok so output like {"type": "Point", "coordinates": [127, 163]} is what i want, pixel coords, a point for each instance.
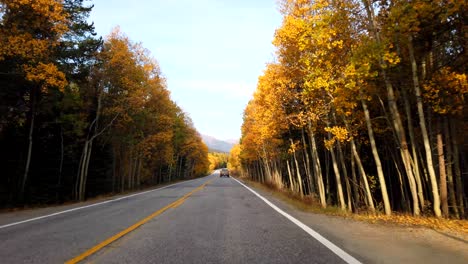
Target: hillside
{"type": "Point", "coordinates": [217, 145]}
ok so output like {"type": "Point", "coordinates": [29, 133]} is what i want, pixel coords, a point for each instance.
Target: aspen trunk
{"type": "Point", "coordinates": [370, 201]}
{"type": "Point", "coordinates": [81, 169]}
{"type": "Point", "coordinates": [406, 158]}
{"type": "Point", "coordinates": [299, 178]}
{"type": "Point", "coordinates": [456, 164]}
{"type": "Point", "coordinates": [298, 172]}
{"type": "Point", "coordinates": [397, 123]}
{"type": "Point", "coordinates": [355, 184]}
{"type": "Point", "coordinates": [291, 183]}
{"type": "Point", "coordinates": [415, 165]}
{"type": "Point", "coordinates": [442, 172]}
{"type": "Point", "coordinates": [262, 172]}
{"type": "Point", "coordinates": [339, 187]}
{"type": "Point", "coordinates": [345, 175]}
{"type": "Point", "coordinates": [78, 177]}
{"type": "Point", "coordinates": [30, 145]}
{"type": "Point", "coordinates": [422, 124]}
{"type": "Point", "coordinates": [404, 195]}
{"type": "Point", "coordinates": [307, 164]}
{"type": "Point", "coordinates": [266, 165]}
{"type": "Point", "coordinates": [375, 154]}
{"type": "Point", "coordinates": [317, 168]}
{"type": "Point", "coordinates": [338, 181]}
{"type": "Point", "coordinates": [256, 175]}
{"type": "Point", "coordinates": [451, 188]}
{"type": "Point", "coordinates": [276, 175]}
{"type": "Point", "coordinates": [85, 171]}
{"type": "Point", "coordinates": [87, 149]}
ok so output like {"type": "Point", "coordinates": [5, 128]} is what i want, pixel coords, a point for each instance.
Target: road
{"type": "Point", "coordinates": [210, 220]}
{"type": "Point", "coordinates": [206, 220]}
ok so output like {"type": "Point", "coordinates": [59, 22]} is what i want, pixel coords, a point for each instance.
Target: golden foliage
{"type": "Point", "coordinates": [234, 162]}
{"type": "Point", "coordinates": [35, 32]}
{"type": "Point", "coordinates": [28, 33]}
{"type": "Point", "coordinates": [343, 68]}
{"type": "Point", "coordinates": [446, 91]}
{"type": "Point", "coordinates": [47, 75]}
{"type": "Point", "coordinates": [218, 160]}
{"type": "Point", "coordinates": [339, 133]}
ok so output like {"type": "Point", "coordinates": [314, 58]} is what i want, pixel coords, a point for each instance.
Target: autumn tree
{"type": "Point", "coordinates": [354, 73]}
{"type": "Point", "coordinates": [99, 114]}
{"type": "Point", "coordinates": [28, 33]}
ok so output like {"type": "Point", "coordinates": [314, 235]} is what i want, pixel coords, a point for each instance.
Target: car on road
{"type": "Point", "coordinates": [224, 172]}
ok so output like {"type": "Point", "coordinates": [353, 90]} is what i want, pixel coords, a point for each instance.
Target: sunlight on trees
{"type": "Point", "coordinates": [364, 107]}
{"type": "Point", "coordinates": [80, 116]}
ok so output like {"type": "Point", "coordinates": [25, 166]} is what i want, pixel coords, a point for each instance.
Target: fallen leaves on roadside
{"type": "Point", "coordinates": [409, 220]}
{"type": "Point", "coordinates": [308, 203]}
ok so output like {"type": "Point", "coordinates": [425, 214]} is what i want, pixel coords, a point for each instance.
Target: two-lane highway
{"type": "Point", "coordinates": [207, 220]}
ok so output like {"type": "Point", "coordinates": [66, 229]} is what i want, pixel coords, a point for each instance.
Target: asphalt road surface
{"type": "Point", "coordinates": [206, 220]}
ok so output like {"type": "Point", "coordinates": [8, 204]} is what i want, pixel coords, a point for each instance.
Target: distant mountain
{"type": "Point", "coordinates": [217, 145]}
{"type": "Point", "coordinates": [232, 141]}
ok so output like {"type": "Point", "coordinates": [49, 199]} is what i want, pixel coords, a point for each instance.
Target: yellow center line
{"type": "Point", "coordinates": [106, 242]}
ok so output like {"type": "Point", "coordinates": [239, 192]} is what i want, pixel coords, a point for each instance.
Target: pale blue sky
{"type": "Point", "coordinates": [211, 51]}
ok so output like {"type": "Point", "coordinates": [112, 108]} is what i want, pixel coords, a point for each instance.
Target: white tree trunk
{"type": "Point", "coordinates": [422, 124]}
{"type": "Point", "coordinates": [370, 201]}
{"type": "Point", "coordinates": [375, 154]}
{"type": "Point", "coordinates": [317, 168]}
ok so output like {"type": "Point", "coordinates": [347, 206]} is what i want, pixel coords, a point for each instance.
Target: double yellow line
{"type": "Point", "coordinates": [106, 242]}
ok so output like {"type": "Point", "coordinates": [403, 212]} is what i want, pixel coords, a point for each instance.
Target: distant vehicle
{"type": "Point", "coordinates": [224, 172]}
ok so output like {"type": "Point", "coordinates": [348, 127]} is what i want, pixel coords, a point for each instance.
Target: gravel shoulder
{"type": "Point", "coordinates": [377, 242]}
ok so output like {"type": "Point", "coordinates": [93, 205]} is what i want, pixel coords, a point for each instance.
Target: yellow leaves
{"type": "Point", "coordinates": [264, 116]}
{"type": "Point", "coordinates": [317, 83]}
{"type": "Point", "coordinates": [38, 29]}
{"type": "Point", "coordinates": [293, 147]}
{"type": "Point", "coordinates": [157, 146]}
{"type": "Point", "coordinates": [339, 133]}
{"type": "Point", "coordinates": [329, 143]}
{"type": "Point", "coordinates": [234, 158]}
{"type": "Point", "coordinates": [217, 160]}
{"type": "Point", "coordinates": [446, 91]}
{"type": "Point", "coordinates": [47, 75]}
{"type": "Point", "coordinates": [23, 45]}
{"type": "Point", "coordinates": [391, 58]}
{"type": "Point", "coordinates": [31, 37]}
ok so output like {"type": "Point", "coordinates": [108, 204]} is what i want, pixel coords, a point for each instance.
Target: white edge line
{"type": "Point", "coordinates": [335, 249]}
{"type": "Point", "coordinates": [91, 205]}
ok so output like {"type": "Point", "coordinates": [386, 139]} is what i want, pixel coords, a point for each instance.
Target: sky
{"type": "Point", "coordinates": [210, 51]}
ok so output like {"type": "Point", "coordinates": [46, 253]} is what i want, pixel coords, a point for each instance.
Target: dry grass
{"type": "Point", "coordinates": [309, 204]}
{"type": "Point", "coordinates": [453, 225]}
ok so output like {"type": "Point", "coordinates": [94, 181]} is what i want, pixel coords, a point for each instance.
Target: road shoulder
{"type": "Point", "coordinates": [379, 243]}
{"type": "Point", "coordinates": [25, 214]}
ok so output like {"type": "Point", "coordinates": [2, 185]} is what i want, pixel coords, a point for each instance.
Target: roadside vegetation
{"type": "Point", "coordinates": [454, 227]}
{"type": "Point", "coordinates": [218, 160]}
{"type": "Point", "coordinates": [80, 115]}
{"type": "Point", "coordinates": [364, 108]}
